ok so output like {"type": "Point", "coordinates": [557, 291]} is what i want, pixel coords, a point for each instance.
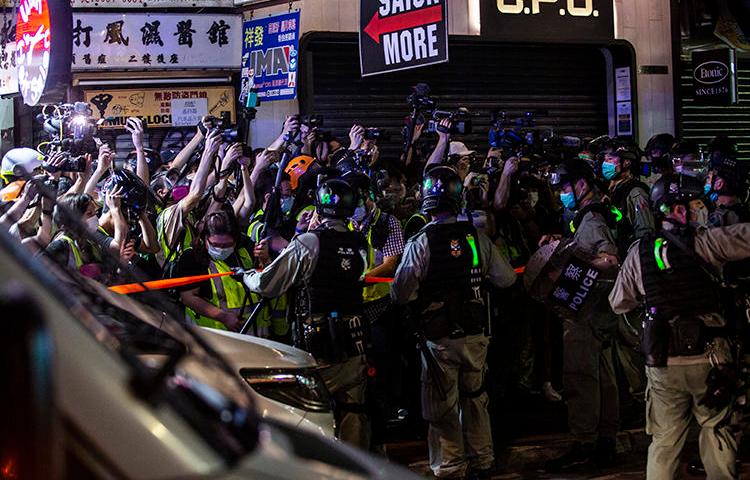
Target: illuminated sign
{"type": "Point", "coordinates": [715, 77]}
{"type": "Point", "coordinates": [43, 46]}
{"type": "Point", "coordinates": [570, 21]}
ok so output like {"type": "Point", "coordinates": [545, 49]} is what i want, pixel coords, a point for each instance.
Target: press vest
{"type": "Point", "coordinates": [167, 250]}
{"type": "Point", "coordinates": [229, 294]}
{"type": "Point", "coordinates": [77, 256]}
{"type": "Point", "coordinates": [377, 235]}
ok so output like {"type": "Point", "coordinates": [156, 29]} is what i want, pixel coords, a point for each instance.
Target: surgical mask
{"type": "Point", "coordinates": [706, 189]}
{"type": "Point", "coordinates": [179, 192]}
{"type": "Point", "coordinates": [609, 170]}
{"type": "Point", "coordinates": [359, 214]}
{"type": "Point", "coordinates": [568, 199]}
{"type": "Point", "coordinates": [92, 224]}
{"type": "Point", "coordinates": [220, 254]}
{"type": "Point", "coordinates": [286, 204]}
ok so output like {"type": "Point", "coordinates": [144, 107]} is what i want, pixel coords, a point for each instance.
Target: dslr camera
{"type": "Point", "coordinates": [420, 98]}
{"type": "Point", "coordinates": [311, 121]}
{"type": "Point", "coordinates": [377, 134]}
{"type": "Point", "coordinates": [229, 133]}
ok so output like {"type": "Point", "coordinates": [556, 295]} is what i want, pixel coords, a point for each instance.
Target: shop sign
{"type": "Point", "coordinates": [270, 60]}
{"type": "Point", "coordinates": [42, 47]}
{"type": "Point", "coordinates": [160, 107]}
{"type": "Point", "coordinates": [715, 77]}
{"type": "Point", "coordinates": [8, 71]}
{"type": "Point", "coordinates": [549, 21]}
{"type": "Point", "coordinates": [151, 3]}
{"type": "Point", "coordinates": [145, 41]}
{"type": "Point", "coordinates": [399, 35]}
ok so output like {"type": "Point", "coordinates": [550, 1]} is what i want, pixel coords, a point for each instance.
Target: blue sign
{"type": "Point", "coordinates": [270, 57]}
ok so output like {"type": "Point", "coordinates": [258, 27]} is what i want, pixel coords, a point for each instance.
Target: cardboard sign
{"type": "Point", "coordinates": [160, 107]}
{"type": "Point", "coordinates": [270, 57]}
{"type": "Point", "coordinates": [398, 35]}
{"type": "Point", "coordinates": [553, 21]}
{"type": "Point", "coordinates": [715, 77]}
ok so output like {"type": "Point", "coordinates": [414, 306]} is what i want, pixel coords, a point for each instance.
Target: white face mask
{"type": "Point", "coordinates": [699, 216]}
{"type": "Point", "coordinates": [220, 254]}
{"type": "Point", "coordinates": [92, 224]}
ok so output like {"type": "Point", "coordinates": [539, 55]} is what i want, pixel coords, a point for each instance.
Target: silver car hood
{"type": "Point", "coordinates": [253, 352]}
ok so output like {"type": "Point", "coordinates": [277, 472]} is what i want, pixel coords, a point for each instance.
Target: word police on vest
{"type": "Point", "coordinates": [408, 29]}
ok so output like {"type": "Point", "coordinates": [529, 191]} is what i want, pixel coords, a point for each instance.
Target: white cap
{"type": "Point", "coordinates": [459, 148]}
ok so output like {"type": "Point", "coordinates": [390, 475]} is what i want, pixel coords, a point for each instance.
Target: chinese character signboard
{"type": "Point", "coordinates": [161, 107]}
{"type": "Point", "coordinates": [401, 35]}
{"type": "Point", "coordinates": [715, 77]}
{"type": "Point", "coordinates": [564, 21]}
{"type": "Point", "coordinates": [269, 56]}
{"type": "Point", "coordinates": [145, 41]}
{"type": "Point", "coordinates": [8, 72]}
{"type": "Point", "coordinates": [43, 48]}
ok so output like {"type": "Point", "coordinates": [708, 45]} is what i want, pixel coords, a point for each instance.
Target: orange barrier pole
{"type": "Point", "coordinates": [182, 281]}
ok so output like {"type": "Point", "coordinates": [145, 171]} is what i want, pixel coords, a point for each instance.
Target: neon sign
{"type": "Point", "coordinates": [43, 46]}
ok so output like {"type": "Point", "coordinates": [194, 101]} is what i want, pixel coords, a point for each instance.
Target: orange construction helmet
{"type": "Point", "coordinates": [11, 191]}
{"type": "Point", "coordinates": [297, 167]}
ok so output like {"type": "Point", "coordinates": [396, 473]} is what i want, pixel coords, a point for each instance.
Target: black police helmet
{"type": "Point", "coordinates": [359, 182]}
{"type": "Point", "coordinates": [335, 198]}
{"type": "Point", "coordinates": [442, 190]}
{"type": "Point", "coordinates": [662, 142]}
{"type": "Point", "coordinates": [570, 171]}
{"type": "Point", "coordinates": [672, 189]}
{"type": "Point", "coordinates": [134, 191]}
{"type": "Point", "coordinates": [153, 159]}
{"type": "Point", "coordinates": [627, 151]}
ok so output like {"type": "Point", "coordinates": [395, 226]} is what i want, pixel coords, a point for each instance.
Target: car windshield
{"type": "Point", "coordinates": [168, 361]}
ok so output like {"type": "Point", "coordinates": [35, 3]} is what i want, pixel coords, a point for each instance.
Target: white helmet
{"type": "Point", "coordinates": [19, 162]}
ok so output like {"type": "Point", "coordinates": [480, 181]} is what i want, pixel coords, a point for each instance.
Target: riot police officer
{"type": "Point", "coordinates": [588, 364]}
{"type": "Point", "coordinates": [328, 265]}
{"type": "Point", "coordinates": [673, 273]}
{"type": "Point", "coordinates": [442, 272]}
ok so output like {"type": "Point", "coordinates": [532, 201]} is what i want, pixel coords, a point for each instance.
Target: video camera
{"type": "Point", "coordinates": [420, 98]}
{"type": "Point", "coordinates": [377, 134]}
{"type": "Point", "coordinates": [71, 129]}
{"type": "Point", "coordinates": [517, 136]}
{"type": "Point", "coordinates": [460, 121]}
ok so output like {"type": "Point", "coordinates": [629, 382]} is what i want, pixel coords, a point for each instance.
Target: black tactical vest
{"type": "Point", "coordinates": [684, 289]}
{"type": "Point", "coordinates": [454, 278]}
{"type": "Point", "coordinates": [335, 285]}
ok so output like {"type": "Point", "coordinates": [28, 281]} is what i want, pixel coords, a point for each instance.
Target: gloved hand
{"type": "Point", "coordinates": [238, 273]}
{"type": "Point", "coordinates": [721, 384]}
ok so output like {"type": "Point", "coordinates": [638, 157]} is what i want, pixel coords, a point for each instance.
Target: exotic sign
{"type": "Point", "coordinates": [270, 58]}
{"type": "Point", "coordinates": [143, 41]}
{"type": "Point", "coordinates": [715, 77]}
{"type": "Point", "coordinates": [401, 34]}
{"type": "Point", "coordinates": [160, 107]}
{"type": "Point", "coordinates": [559, 21]}
{"type": "Point", "coordinates": [42, 47]}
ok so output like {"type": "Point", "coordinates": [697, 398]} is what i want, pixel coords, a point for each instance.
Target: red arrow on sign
{"type": "Point", "coordinates": [379, 26]}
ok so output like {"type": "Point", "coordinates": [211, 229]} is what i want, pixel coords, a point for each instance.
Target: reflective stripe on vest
{"type": "Point", "coordinates": [375, 291]}
{"type": "Point", "coordinates": [74, 250]}
{"type": "Point", "coordinates": [162, 236]}
{"type": "Point", "coordinates": [229, 295]}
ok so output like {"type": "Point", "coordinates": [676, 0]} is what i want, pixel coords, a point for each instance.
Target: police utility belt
{"type": "Point", "coordinates": [333, 338]}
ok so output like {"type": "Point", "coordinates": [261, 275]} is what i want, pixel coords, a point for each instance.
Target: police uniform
{"type": "Point", "coordinates": [674, 391]}
{"type": "Point", "coordinates": [442, 271]}
{"type": "Point", "coordinates": [631, 199]}
{"type": "Point", "coordinates": [327, 266]}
